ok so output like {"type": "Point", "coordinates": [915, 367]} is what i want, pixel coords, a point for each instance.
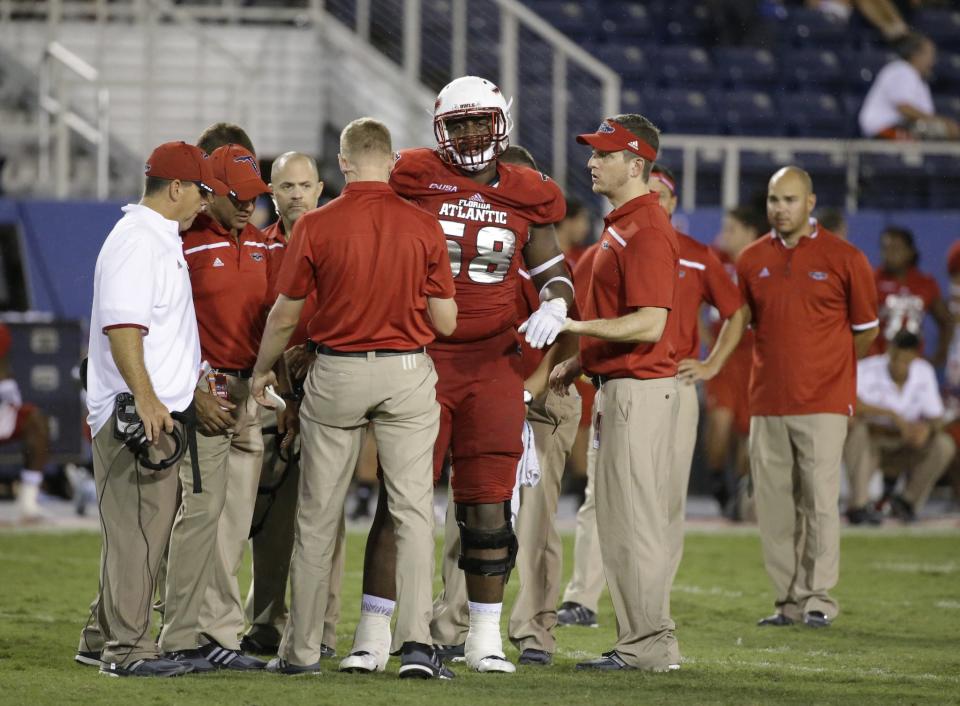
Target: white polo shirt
{"type": "Point", "coordinates": [141, 280]}
{"type": "Point", "coordinates": [898, 83]}
{"type": "Point", "coordinates": [919, 398]}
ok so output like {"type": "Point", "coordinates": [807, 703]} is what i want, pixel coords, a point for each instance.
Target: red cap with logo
{"type": "Point", "coordinates": [239, 169]}
{"type": "Point", "coordinates": [611, 136]}
{"type": "Point", "coordinates": [178, 160]}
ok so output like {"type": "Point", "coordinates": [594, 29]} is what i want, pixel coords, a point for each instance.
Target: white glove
{"type": "Point", "coordinates": [545, 323]}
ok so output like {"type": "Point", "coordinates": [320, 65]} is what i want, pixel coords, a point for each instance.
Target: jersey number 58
{"type": "Point", "coordinates": [495, 248]}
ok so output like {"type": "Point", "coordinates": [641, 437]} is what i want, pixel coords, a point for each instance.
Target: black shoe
{"type": "Point", "coordinates": [421, 662]}
{"type": "Point", "coordinates": [90, 658]}
{"type": "Point", "coordinates": [608, 662]}
{"type": "Point", "coordinates": [194, 658]}
{"type": "Point", "coordinates": [901, 509]}
{"type": "Point", "coordinates": [157, 667]}
{"type": "Point", "coordinates": [777, 620]}
{"type": "Point", "coordinates": [278, 665]}
{"type": "Point", "coordinates": [222, 658]}
{"type": "Point", "coordinates": [720, 491]}
{"type": "Point", "coordinates": [865, 515]}
{"type": "Point", "coordinates": [249, 643]}
{"type": "Point", "coordinates": [451, 653]}
{"type": "Point", "coordinates": [541, 658]}
{"type": "Point", "coordinates": [816, 619]}
{"type": "Point", "coordinates": [327, 652]}
{"type": "Point", "coordinates": [575, 614]}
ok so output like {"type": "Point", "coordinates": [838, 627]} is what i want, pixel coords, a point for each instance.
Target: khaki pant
{"type": "Point", "coordinates": [685, 441]}
{"type": "Point", "coordinates": [398, 394]}
{"type": "Point", "coordinates": [540, 559]}
{"type": "Point", "coordinates": [795, 467]}
{"type": "Point", "coordinates": [634, 462]}
{"type": "Point", "coordinates": [587, 581]}
{"type": "Point", "coordinates": [868, 449]}
{"type": "Point", "coordinates": [136, 513]}
{"type": "Point", "coordinates": [210, 533]}
{"type": "Point", "coordinates": [272, 546]}
{"type": "Point", "coordinates": [450, 615]}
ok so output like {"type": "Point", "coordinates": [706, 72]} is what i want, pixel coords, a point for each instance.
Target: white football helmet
{"type": "Point", "coordinates": [472, 96]}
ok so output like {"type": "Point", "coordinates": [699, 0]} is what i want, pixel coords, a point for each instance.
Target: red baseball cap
{"type": "Point", "coordinates": [611, 136]}
{"type": "Point", "coordinates": [239, 169]}
{"type": "Point", "coordinates": [178, 160]}
{"type": "Point", "coordinates": [953, 259]}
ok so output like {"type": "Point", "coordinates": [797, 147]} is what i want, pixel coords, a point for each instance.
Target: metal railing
{"type": "Point", "coordinates": [55, 106]}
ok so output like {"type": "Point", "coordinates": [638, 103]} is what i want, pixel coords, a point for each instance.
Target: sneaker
{"type": "Point", "coordinates": [421, 662]}
{"type": "Point", "coordinates": [816, 619]}
{"type": "Point", "coordinates": [901, 509]}
{"type": "Point", "coordinates": [278, 665]}
{"type": "Point", "coordinates": [539, 658]}
{"type": "Point", "coordinates": [494, 663]}
{"type": "Point", "coordinates": [91, 658]}
{"type": "Point", "coordinates": [327, 652]}
{"type": "Point", "coordinates": [865, 515]}
{"type": "Point", "coordinates": [575, 614]}
{"type": "Point", "coordinates": [777, 620]}
{"type": "Point", "coordinates": [194, 658]}
{"type": "Point", "coordinates": [607, 662]}
{"type": "Point", "coordinates": [361, 662]}
{"type": "Point", "coordinates": [451, 653]}
{"type": "Point", "coordinates": [156, 667]}
{"type": "Point", "coordinates": [223, 658]}
{"type": "Point", "coordinates": [258, 646]}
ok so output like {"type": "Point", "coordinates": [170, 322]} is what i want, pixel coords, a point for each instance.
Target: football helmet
{"type": "Point", "coordinates": [467, 97]}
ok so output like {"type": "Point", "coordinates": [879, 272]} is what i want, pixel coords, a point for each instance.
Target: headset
{"type": "Point", "coordinates": [129, 429]}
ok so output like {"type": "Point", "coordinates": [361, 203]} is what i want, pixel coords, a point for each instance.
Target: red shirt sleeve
{"type": "Point", "coordinates": [439, 275]}
{"type": "Point", "coordinates": [650, 270]}
{"type": "Point", "coordinates": [296, 278]}
{"type": "Point", "coordinates": [861, 293]}
{"type": "Point", "coordinates": [721, 292]}
{"type": "Point", "coordinates": [743, 283]}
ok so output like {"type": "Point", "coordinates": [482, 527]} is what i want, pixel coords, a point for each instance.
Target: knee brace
{"type": "Point", "coordinates": [499, 538]}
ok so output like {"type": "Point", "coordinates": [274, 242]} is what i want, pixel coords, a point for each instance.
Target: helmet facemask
{"type": "Point", "coordinates": [472, 153]}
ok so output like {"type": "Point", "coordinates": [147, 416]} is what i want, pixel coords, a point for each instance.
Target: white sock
{"type": "Point", "coordinates": [28, 477]}
{"type": "Point", "coordinates": [376, 605]}
{"type": "Point", "coordinates": [483, 637]}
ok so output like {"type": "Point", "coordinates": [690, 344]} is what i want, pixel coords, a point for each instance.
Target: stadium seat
{"type": "Point", "coordinates": [941, 25]}
{"type": "Point", "coordinates": [745, 67]}
{"type": "Point", "coordinates": [628, 60]}
{"type": "Point", "coordinates": [813, 115]}
{"type": "Point", "coordinates": [860, 68]}
{"type": "Point", "coordinates": [887, 179]}
{"type": "Point", "coordinates": [682, 111]}
{"type": "Point", "coordinates": [943, 173]}
{"type": "Point", "coordinates": [575, 19]}
{"type": "Point", "coordinates": [811, 68]}
{"type": "Point", "coordinates": [687, 23]}
{"type": "Point", "coordinates": [852, 102]}
{"type": "Point", "coordinates": [625, 22]}
{"type": "Point", "coordinates": [947, 74]}
{"type": "Point", "coordinates": [811, 28]}
{"type": "Point", "coordinates": [685, 67]}
{"type": "Point", "coordinates": [947, 105]}
{"type": "Point", "coordinates": [749, 113]}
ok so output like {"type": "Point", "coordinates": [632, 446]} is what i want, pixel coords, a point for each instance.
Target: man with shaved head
{"type": "Point", "coordinates": [813, 306]}
{"type": "Point", "coordinates": [295, 187]}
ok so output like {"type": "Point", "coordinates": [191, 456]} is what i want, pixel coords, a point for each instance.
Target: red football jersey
{"type": "Point", "coordinates": [486, 228]}
{"type": "Point", "coordinates": [903, 304]}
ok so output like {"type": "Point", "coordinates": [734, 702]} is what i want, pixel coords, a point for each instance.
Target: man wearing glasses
{"type": "Point", "coordinates": [227, 258]}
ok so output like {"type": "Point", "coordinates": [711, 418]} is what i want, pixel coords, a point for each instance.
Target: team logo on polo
{"type": "Point", "coordinates": [819, 276]}
{"type": "Point", "coordinates": [256, 257]}
{"type": "Point", "coordinates": [249, 160]}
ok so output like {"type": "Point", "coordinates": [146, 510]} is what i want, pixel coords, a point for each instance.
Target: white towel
{"type": "Point", "coordinates": [528, 469]}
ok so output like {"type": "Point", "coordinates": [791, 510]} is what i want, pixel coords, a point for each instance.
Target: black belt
{"type": "Point", "coordinates": [599, 380]}
{"type": "Point", "coordinates": [242, 374]}
{"type": "Point", "coordinates": [324, 349]}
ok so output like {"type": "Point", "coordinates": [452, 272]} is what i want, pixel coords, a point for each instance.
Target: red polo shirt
{"type": "Point", "coordinates": [702, 278]}
{"type": "Point", "coordinates": [904, 302]}
{"type": "Point", "coordinates": [229, 281]}
{"type": "Point", "coordinates": [807, 301]}
{"type": "Point", "coordinates": [634, 267]}
{"type": "Point", "coordinates": [277, 248]}
{"type": "Point", "coordinates": [373, 259]}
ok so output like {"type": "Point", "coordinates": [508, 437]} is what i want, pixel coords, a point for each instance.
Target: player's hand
{"type": "Point", "coordinates": [214, 415]}
{"type": "Point", "coordinates": [545, 323]}
{"type": "Point", "coordinates": [155, 417]}
{"type": "Point", "coordinates": [288, 424]}
{"type": "Point", "coordinates": [258, 388]}
{"type": "Point", "coordinates": [299, 360]}
{"type": "Point", "coordinates": [691, 370]}
{"type": "Point", "coordinates": [563, 375]}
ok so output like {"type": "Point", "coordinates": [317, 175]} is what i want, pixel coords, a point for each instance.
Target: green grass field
{"type": "Point", "coordinates": [896, 641]}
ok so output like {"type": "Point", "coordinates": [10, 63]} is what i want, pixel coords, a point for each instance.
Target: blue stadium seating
{"type": "Point", "coordinates": [685, 67]}
{"type": "Point", "coordinates": [687, 23]}
{"type": "Point", "coordinates": [942, 26]}
{"type": "Point", "coordinates": [947, 74]}
{"type": "Point", "coordinates": [887, 179]}
{"type": "Point", "coordinates": [746, 67]}
{"type": "Point", "coordinates": [625, 21]}
{"type": "Point", "coordinates": [861, 67]}
{"type": "Point", "coordinates": [813, 114]}
{"type": "Point", "coordinates": [628, 60]}
{"type": "Point", "coordinates": [573, 18]}
{"type": "Point", "coordinates": [749, 113]}
{"type": "Point", "coordinates": [809, 68]}
{"type": "Point", "coordinates": [947, 105]}
{"type": "Point", "coordinates": [943, 183]}
{"type": "Point", "coordinates": [811, 28]}
{"type": "Point", "coordinates": [679, 110]}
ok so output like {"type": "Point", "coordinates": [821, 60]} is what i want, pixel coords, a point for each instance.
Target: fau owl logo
{"type": "Point", "coordinates": [250, 160]}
